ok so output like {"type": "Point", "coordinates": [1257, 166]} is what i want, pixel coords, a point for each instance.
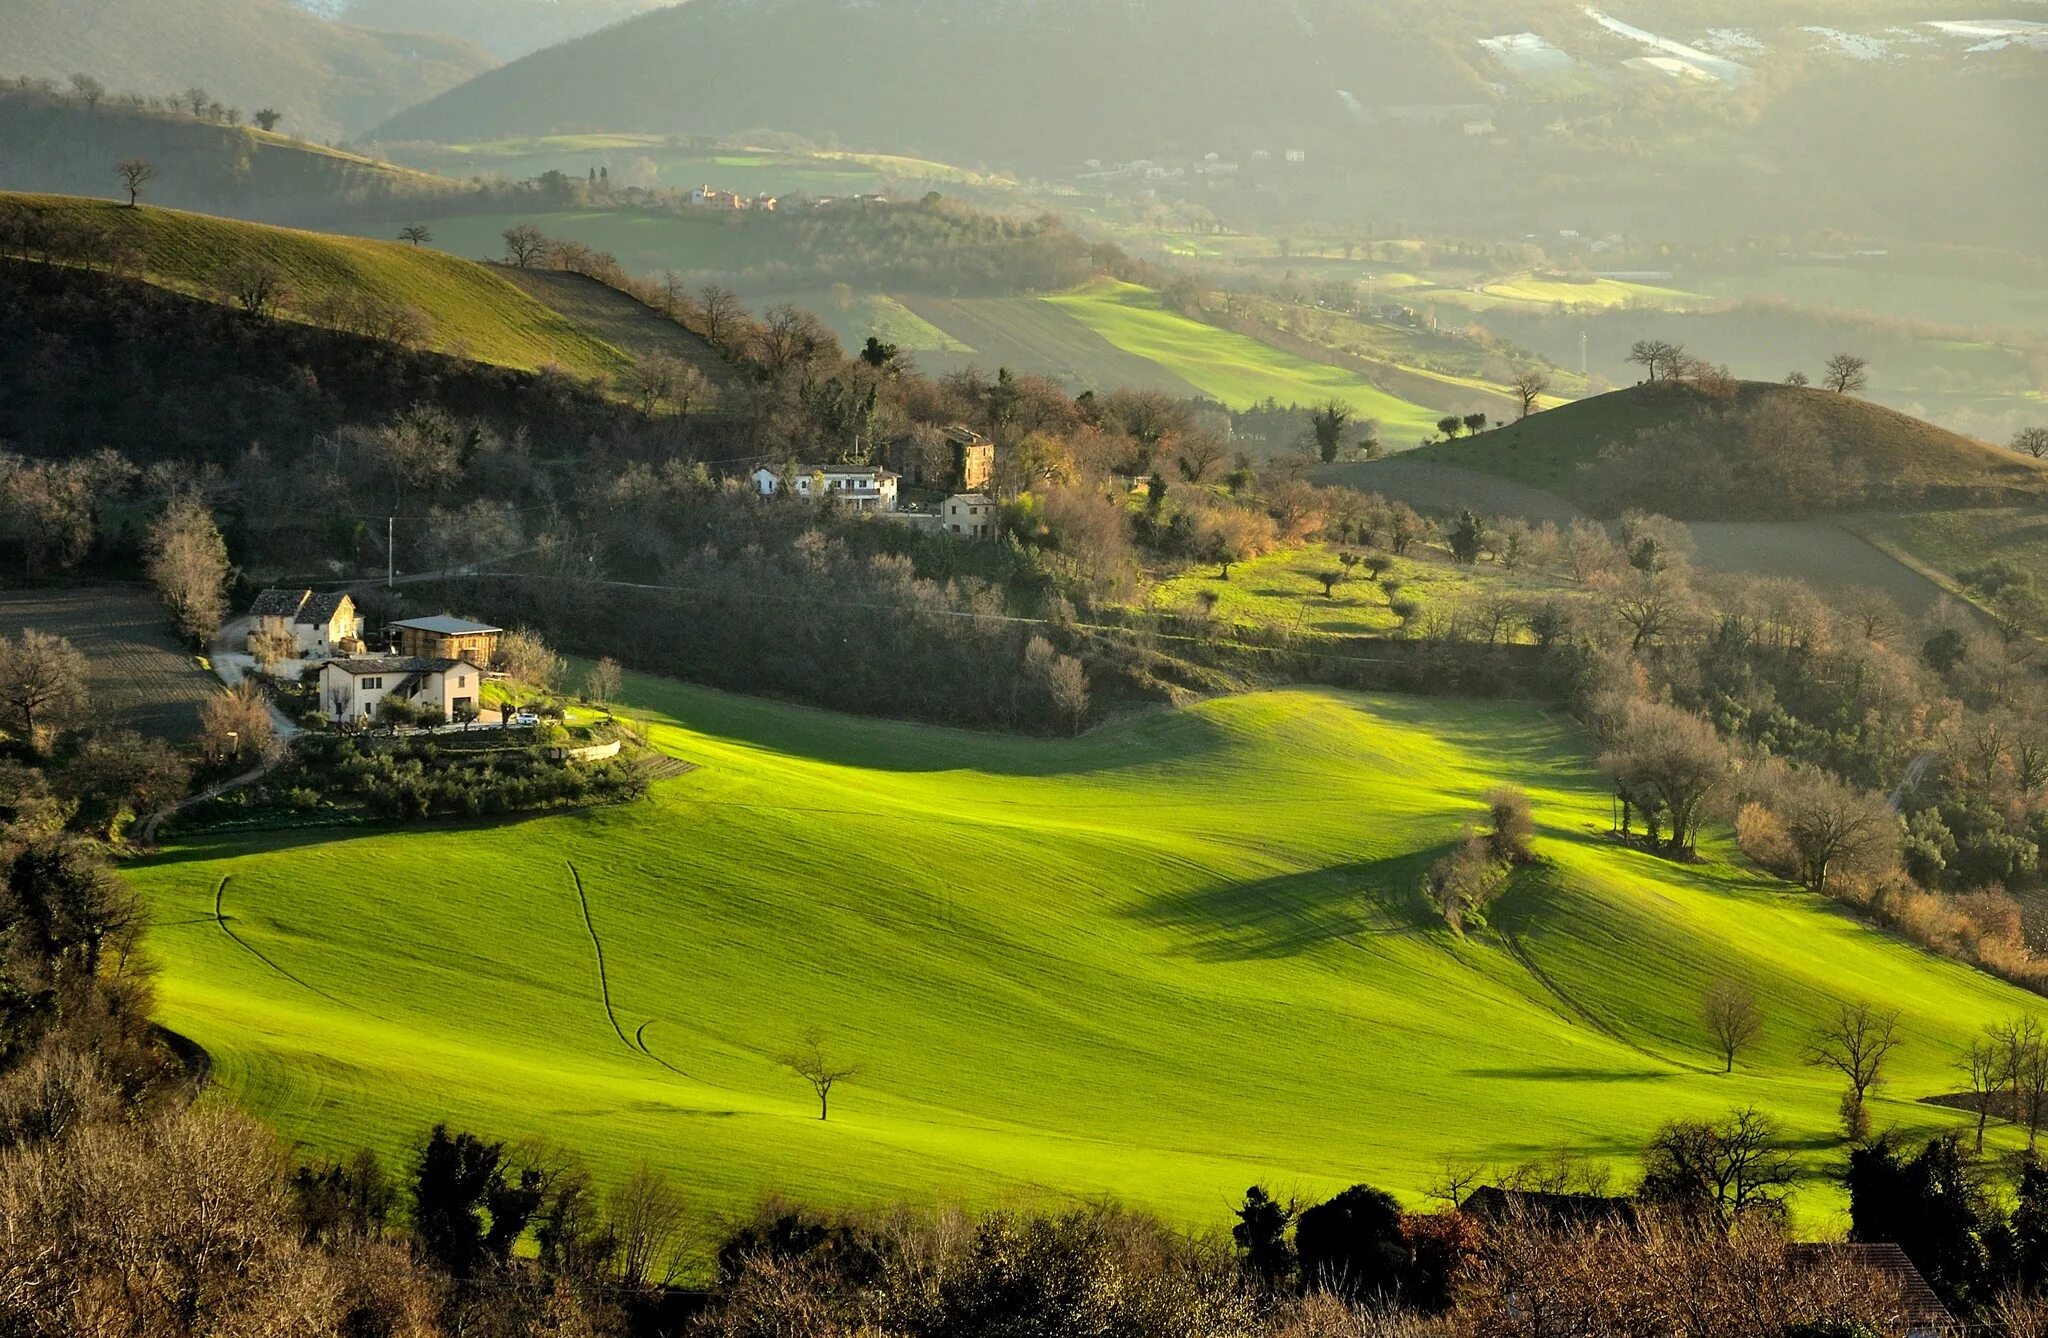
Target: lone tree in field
{"type": "Point", "coordinates": [1846, 374]}
{"type": "Point", "coordinates": [135, 174]}
{"type": "Point", "coordinates": [419, 234]}
{"type": "Point", "coordinates": [823, 1072]}
{"type": "Point", "coordinates": [1327, 426]}
{"type": "Point", "coordinates": [187, 561]}
{"type": "Point", "coordinates": [1733, 1019]}
{"type": "Point", "coordinates": [601, 684]}
{"type": "Point", "coordinates": [256, 286]}
{"type": "Point", "coordinates": [88, 89]}
{"type": "Point", "coordinates": [1652, 355]}
{"type": "Point", "coordinates": [42, 685]}
{"type": "Point", "coordinates": [2031, 441]}
{"type": "Point", "coordinates": [266, 118]}
{"type": "Point", "coordinates": [525, 245]}
{"type": "Point", "coordinates": [1529, 388]}
{"type": "Point", "coordinates": [1854, 1043]}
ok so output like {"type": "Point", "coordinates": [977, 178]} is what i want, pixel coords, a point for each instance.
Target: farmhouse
{"type": "Point", "coordinates": [351, 690]}
{"type": "Point", "coordinates": [972, 515]}
{"type": "Point", "coordinates": [445, 637]}
{"type": "Point", "coordinates": [862, 487]}
{"type": "Point", "coordinates": [318, 625]}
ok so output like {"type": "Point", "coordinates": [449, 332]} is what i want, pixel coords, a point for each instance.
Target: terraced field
{"type": "Point", "coordinates": [1178, 955]}
{"type": "Point", "coordinates": [136, 674]}
{"type": "Point", "coordinates": [470, 308]}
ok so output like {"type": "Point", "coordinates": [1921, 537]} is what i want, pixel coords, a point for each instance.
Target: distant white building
{"type": "Point", "coordinates": [862, 487]}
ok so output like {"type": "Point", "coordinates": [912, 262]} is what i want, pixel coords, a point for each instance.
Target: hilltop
{"type": "Point", "coordinates": [465, 307]}
{"type": "Point", "coordinates": [1750, 450]}
{"type": "Point", "coordinates": [1164, 960]}
{"type": "Point", "coordinates": [56, 143]}
{"type": "Point", "coordinates": [506, 28]}
{"type": "Point", "coordinates": [328, 79]}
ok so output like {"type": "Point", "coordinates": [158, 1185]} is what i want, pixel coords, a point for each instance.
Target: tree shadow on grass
{"type": "Point", "coordinates": [1295, 913]}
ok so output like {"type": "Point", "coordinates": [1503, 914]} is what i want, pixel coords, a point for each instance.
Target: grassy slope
{"type": "Point", "coordinates": [472, 309]}
{"type": "Point", "coordinates": [1165, 960]}
{"type": "Point", "coordinates": [1548, 450]}
{"type": "Point", "coordinates": [1029, 335]}
{"type": "Point", "coordinates": [621, 321]}
{"type": "Point", "coordinates": [1233, 368]}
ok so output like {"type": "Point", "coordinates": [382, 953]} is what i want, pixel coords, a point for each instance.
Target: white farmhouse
{"type": "Point", "coordinates": [971, 515]}
{"type": "Point", "coordinates": [318, 625]}
{"type": "Point", "coordinates": [350, 690]}
{"type": "Point", "coordinates": [862, 487]}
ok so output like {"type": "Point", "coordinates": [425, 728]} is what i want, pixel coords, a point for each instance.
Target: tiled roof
{"type": "Point", "coordinates": [972, 498]}
{"type": "Point", "coordinates": [320, 609]}
{"type": "Point", "coordinates": [1922, 1308]}
{"type": "Point", "coordinates": [278, 603]}
{"type": "Point", "coordinates": [447, 625]}
{"type": "Point", "coordinates": [393, 664]}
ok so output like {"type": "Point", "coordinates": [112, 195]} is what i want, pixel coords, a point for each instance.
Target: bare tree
{"type": "Point", "coordinates": [1724, 1170]}
{"type": "Point", "coordinates": [602, 683]}
{"type": "Point", "coordinates": [1983, 1066]}
{"type": "Point", "coordinates": [721, 309]}
{"type": "Point", "coordinates": [647, 1220]}
{"type": "Point", "coordinates": [42, 685]}
{"type": "Point", "coordinates": [1529, 388]}
{"type": "Point", "coordinates": [256, 286]}
{"type": "Point", "coordinates": [1652, 355]}
{"type": "Point", "coordinates": [1854, 1043]}
{"type": "Point", "coordinates": [135, 174]}
{"type": "Point", "coordinates": [525, 245]}
{"type": "Point", "coordinates": [1199, 453]}
{"type": "Point", "coordinates": [1846, 374]}
{"type": "Point", "coordinates": [1733, 1019]}
{"type": "Point", "coordinates": [271, 646]}
{"type": "Point", "coordinates": [88, 89]}
{"type": "Point", "coordinates": [187, 561]}
{"type": "Point", "coordinates": [823, 1072]}
{"type": "Point", "coordinates": [525, 658]}
{"type": "Point", "coordinates": [236, 724]}
{"type": "Point", "coordinates": [1833, 826]}
{"type": "Point", "coordinates": [419, 234]}
{"type": "Point", "coordinates": [2022, 1070]}
{"type": "Point", "coordinates": [2031, 441]}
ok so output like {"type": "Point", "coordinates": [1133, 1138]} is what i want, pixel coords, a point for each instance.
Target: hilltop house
{"type": "Point", "coordinates": [972, 515]}
{"type": "Point", "coordinates": [352, 689]}
{"type": "Point", "coordinates": [862, 487]}
{"type": "Point", "coordinates": [318, 625]}
{"type": "Point", "coordinates": [444, 637]}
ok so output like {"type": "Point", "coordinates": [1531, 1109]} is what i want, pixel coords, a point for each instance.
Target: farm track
{"type": "Point", "coordinates": [604, 983]}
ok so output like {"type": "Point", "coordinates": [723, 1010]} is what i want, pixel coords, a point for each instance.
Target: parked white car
{"type": "Point", "coordinates": [523, 720]}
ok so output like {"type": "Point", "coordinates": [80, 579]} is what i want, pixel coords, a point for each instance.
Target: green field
{"type": "Point", "coordinates": [1236, 369]}
{"type": "Point", "coordinates": [471, 309]}
{"type": "Point", "coordinates": [1026, 334]}
{"type": "Point", "coordinates": [1175, 956]}
{"type": "Point", "coordinates": [653, 162]}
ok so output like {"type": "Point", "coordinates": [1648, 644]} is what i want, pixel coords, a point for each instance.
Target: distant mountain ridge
{"type": "Point", "coordinates": [507, 29]}
{"type": "Point", "coordinates": [1045, 81]}
{"type": "Point", "coordinates": [329, 79]}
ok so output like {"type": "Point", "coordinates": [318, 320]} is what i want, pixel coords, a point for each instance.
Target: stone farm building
{"type": "Point", "coordinates": [352, 689]}
{"type": "Point", "coordinates": [318, 625]}
{"type": "Point", "coordinates": [970, 515]}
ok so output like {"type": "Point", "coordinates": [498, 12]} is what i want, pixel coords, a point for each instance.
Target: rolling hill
{"type": "Point", "coordinates": [59, 145]}
{"type": "Point", "coordinates": [1698, 456]}
{"type": "Point", "coordinates": [471, 309]}
{"type": "Point", "coordinates": [1165, 960]}
{"type": "Point", "coordinates": [506, 28]}
{"type": "Point", "coordinates": [327, 78]}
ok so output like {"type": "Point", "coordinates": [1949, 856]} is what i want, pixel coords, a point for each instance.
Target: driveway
{"type": "Point", "coordinates": [231, 664]}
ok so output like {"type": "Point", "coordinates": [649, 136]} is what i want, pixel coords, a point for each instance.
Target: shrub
{"type": "Point", "coordinates": [1513, 826]}
{"type": "Point", "coordinates": [1759, 835]}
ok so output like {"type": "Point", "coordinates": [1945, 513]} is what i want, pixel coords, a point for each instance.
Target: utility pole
{"type": "Point", "coordinates": [390, 552]}
{"type": "Point", "coordinates": [1582, 353]}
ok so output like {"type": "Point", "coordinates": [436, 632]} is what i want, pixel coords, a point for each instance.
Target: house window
{"type": "Point", "coordinates": [462, 680]}
{"type": "Point", "coordinates": [373, 685]}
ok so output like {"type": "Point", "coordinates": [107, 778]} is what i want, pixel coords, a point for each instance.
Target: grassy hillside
{"type": "Point", "coordinates": [1180, 954]}
{"type": "Point", "coordinates": [622, 322]}
{"type": "Point", "coordinates": [59, 145]}
{"type": "Point", "coordinates": [327, 78]}
{"type": "Point", "coordinates": [472, 309]}
{"type": "Point", "coordinates": [1561, 450]}
{"type": "Point", "coordinates": [1233, 368]}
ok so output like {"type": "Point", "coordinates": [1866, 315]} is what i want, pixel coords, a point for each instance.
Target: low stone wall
{"type": "Point", "coordinates": [596, 752]}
